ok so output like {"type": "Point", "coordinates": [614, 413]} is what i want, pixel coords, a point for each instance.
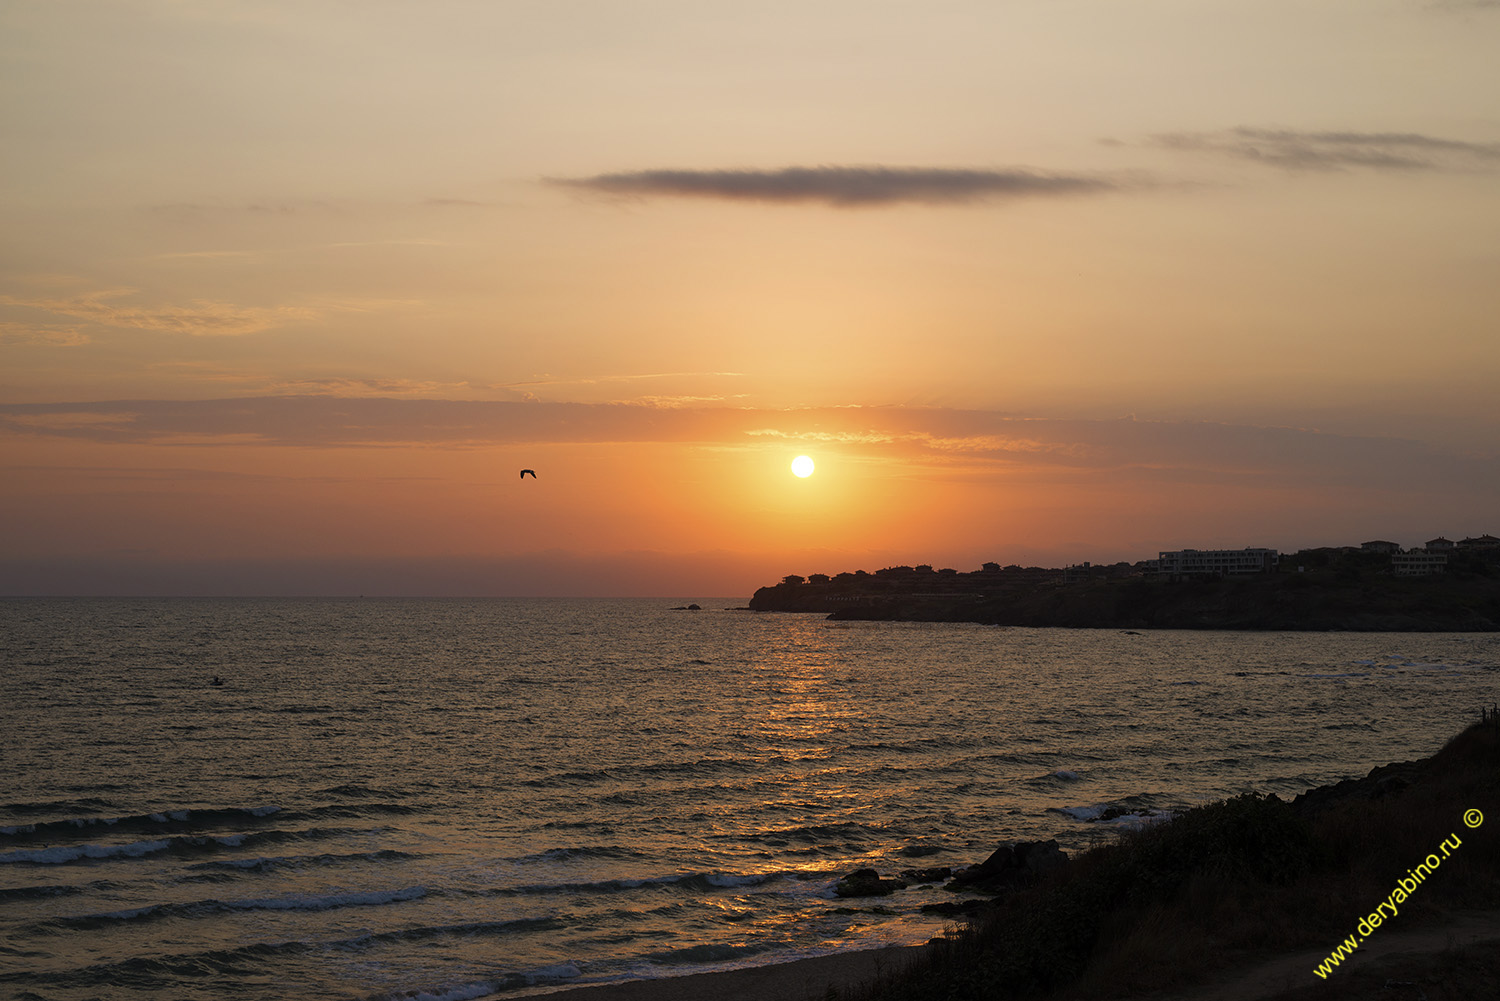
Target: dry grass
{"type": "Point", "coordinates": [1466, 974]}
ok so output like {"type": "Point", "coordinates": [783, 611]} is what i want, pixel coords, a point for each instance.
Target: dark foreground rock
{"type": "Point", "coordinates": [1008, 867]}
{"type": "Point", "coordinates": [1011, 866]}
{"type": "Point", "coordinates": [1383, 781]}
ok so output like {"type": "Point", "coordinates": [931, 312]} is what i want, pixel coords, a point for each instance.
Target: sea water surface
{"type": "Point", "coordinates": [448, 799]}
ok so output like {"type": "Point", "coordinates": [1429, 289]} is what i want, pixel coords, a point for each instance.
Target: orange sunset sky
{"type": "Point", "coordinates": [291, 291]}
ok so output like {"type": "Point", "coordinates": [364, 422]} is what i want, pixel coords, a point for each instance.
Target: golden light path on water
{"type": "Point", "coordinates": [489, 798]}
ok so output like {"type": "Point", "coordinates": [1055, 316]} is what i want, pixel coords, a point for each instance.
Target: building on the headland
{"type": "Point", "coordinates": [1418, 563]}
{"type": "Point", "coordinates": [1077, 572]}
{"type": "Point", "coordinates": [1439, 544]}
{"type": "Point", "coordinates": [1379, 546]}
{"type": "Point", "coordinates": [990, 568]}
{"type": "Point", "coordinates": [1485, 541]}
{"type": "Point", "coordinates": [1216, 562]}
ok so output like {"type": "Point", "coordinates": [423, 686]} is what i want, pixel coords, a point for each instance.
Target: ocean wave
{"type": "Point", "coordinates": [271, 864]}
{"type": "Point", "coordinates": [709, 953]}
{"type": "Point", "coordinates": [579, 852]}
{"type": "Point", "coordinates": [73, 853]}
{"type": "Point", "coordinates": [181, 844]}
{"type": "Point", "coordinates": [151, 973]}
{"type": "Point", "coordinates": [701, 881]}
{"type": "Point", "coordinates": [45, 892]}
{"type": "Point", "coordinates": [466, 929]}
{"type": "Point", "coordinates": [171, 820]}
{"type": "Point", "coordinates": [353, 790]}
{"type": "Point", "coordinates": [344, 811]}
{"type": "Point", "coordinates": [204, 908]}
{"type": "Point", "coordinates": [543, 976]}
{"type": "Point", "coordinates": [55, 807]}
{"type": "Point", "coordinates": [1132, 811]}
{"type": "Point", "coordinates": [809, 833]}
{"type": "Point", "coordinates": [698, 766]}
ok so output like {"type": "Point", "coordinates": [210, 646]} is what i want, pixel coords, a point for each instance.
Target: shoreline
{"type": "Point", "coordinates": [1257, 972]}
{"type": "Point", "coordinates": [798, 980]}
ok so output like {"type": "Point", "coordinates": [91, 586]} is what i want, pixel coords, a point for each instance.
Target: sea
{"type": "Point", "coordinates": [378, 799]}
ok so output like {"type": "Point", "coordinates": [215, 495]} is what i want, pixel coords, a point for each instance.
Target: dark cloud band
{"type": "Point", "coordinates": [842, 186]}
{"type": "Point", "coordinates": [1294, 150]}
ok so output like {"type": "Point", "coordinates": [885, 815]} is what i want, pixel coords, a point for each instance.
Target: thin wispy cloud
{"type": "Point", "coordinates": [547, 380]}
{"type": "Point", "coordinates": [197, 318]}
{"type": "Point", "coordinates": [1295, 150]}
{"type": "Point", "coordinates": [843, 187]}
{"type": "Point", "coordinates": [31, 333]}
{"type": "Point", "coordinates": [194, 211]}
{"type": "Point", "coordinates": [360, 388]}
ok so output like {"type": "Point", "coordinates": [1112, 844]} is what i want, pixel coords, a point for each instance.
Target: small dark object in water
{"type": "Point", "coordinates": [218, 681]}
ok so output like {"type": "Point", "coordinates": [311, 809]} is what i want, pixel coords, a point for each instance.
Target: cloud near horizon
{"type": "Point", "coordinates": [843, 187]}
{"type": "Point", "coordinates": [926, 441]}
{"type": "Point", "coordinates": [1295, 150]}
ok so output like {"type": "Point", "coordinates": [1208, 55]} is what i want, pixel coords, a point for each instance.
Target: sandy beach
{"type": "Point", "coordinates": [802, 980]}
{"type": "Point", "coordinates": [1425, 948]}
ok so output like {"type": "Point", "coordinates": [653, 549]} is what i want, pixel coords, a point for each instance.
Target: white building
{"type": "Point", "coordinates": [1221, 562]}
{"type": "Point", "coordinates": [1418, 563]}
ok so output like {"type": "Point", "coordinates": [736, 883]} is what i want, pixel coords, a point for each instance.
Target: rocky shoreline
{"type": "Point", "coordinates": [1022, 863]}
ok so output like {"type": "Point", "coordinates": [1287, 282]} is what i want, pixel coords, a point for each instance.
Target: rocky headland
{"type": "Point", "coordinates": [1345, 599]}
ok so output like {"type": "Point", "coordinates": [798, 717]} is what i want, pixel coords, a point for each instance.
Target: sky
{"type": "Point", "coordinates": [291, 291]}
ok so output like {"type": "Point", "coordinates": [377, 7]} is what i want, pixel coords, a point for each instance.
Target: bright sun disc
{"type": "Point", "coordinates": [802, 466]}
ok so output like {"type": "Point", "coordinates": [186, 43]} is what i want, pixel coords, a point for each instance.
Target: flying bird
{"type": "Point", "coordinates": [531, 471]}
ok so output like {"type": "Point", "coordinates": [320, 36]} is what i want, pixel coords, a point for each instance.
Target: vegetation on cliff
{"type": "Point", "coordinates": [1232, 881]}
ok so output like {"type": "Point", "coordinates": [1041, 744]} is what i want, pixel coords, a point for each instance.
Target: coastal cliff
{"type": "Point", "coordinates": [1273, 601]}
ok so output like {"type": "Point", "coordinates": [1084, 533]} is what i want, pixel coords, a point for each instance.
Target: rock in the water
{"type": "Point", "coordinates": [935, 874]}
{"type": "Point", "coordinates": [866, 883]}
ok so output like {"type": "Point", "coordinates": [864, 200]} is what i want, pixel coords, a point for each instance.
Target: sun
{"type": "Point", "coordinates": [803, 466]}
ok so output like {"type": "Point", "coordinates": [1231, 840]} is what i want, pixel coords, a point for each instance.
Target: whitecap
{"type": "Point", "coordinates": [72, 853]}
{"type": "Point", "coordinates": [727, 880]}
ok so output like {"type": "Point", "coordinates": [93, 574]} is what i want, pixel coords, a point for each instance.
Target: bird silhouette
{"type": "Point", "coordinates": [531, 471]}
